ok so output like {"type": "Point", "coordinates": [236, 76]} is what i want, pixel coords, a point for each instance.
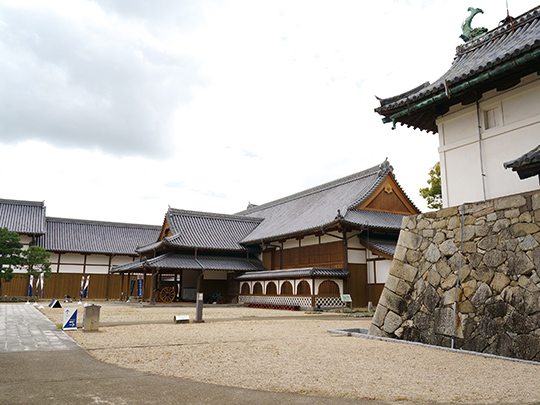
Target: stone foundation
{"type": "Point", "coordinates": [498, 291]}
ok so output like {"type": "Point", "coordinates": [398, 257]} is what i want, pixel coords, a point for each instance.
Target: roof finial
{"type": "Point", "coordinates": [470, 33]}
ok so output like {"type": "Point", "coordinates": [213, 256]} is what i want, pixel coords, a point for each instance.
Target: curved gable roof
{"type": "Point", "coordinates": [316, 207]}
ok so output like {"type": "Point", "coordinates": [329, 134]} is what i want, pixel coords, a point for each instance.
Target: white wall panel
{"type": "Point", "coordinates": [97, 269]}
{"type": "Point", "coordinates": [71, 258]}
{"type": "Point", "coordinates": [97, 259]}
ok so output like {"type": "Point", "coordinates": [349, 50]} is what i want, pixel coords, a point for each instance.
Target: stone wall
{"type": "Point", "coordinates": [498, 299]}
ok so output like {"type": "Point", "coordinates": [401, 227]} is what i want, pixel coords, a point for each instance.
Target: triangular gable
{"type": "Point", "coordinates": [165, 231]}
{"type": "Point", "coordinates": [389, 197]}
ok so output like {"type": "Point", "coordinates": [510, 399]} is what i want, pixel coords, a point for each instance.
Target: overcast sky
{"type": "Point", "coordinates": [114, 110]}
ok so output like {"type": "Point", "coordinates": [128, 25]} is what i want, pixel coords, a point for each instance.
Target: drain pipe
{"type": "Point", "coordinates": [459, 271]}
{"type": "Point", "coordinates": [480, 145]}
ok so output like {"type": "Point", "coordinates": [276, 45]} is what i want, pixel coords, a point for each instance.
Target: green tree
{"type": "Point", "coordinates": [432, 193]}
{"type": "Point", "coordinates": [36, 261]}
{"type": "Point", "coordinates": [10, 255]}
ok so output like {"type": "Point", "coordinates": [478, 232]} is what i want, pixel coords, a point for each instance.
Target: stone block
{"type": "Point", "coordinates": [481, 230]}
{"type": "Point", "coordinates": [413, 256]}
{"type": "Point", "coordinates": [513, 213]}
{"type": "Point", "coordinates": [519, 263]}
{"type": "Point", "coordinates": [513, 201]}
{"type": "Point", "coordinates": [497, 309]}
{"type": "Point", "coordinates": [428, 233]}
{"type": "Point", "coordinates": [447, 212]}
{"type": "Point", "coordinates": [433, 277]}
{"type": "Point", "coordinates": [403, 271]}
{"type": "Point", "coordinates": [422, 224]}
{"type": "Point", "coordinates": [500, 224]}
{"type": "Point", "coordinates": [391, 322]}
{"type": "Point", "coordinates": [430, 299]}
{"type": "Point", "coordinates": [535, 201]}
{"type": "Point", "coordinates": [528, 243]}
{"type": "Point", "coordinates": [393, 302]}
{"type": "Point", "coordinates": [469, 287]}
{"type": "Point", "coordinates": [483, 274]}
{"type": "Point", "coordinates": [518, 323]}
{"type": "Point", "coordinates": [454, 222]}
{"type": "Point", "coordinates": [449, 297]}
{"type": "Point", "coordinates": [444, 321]}
{"type": "Point", "coordinates": [469, 220]}
{"type": "Point", "coordinates": [527, 347]}
{"type": "Point", "coordinates": [468, 233]}
{"type": "Point", "coordinates": [499, 282]}
{"type": "Point", "coordinates": [375, 331]}
{"type": "Point", "coordinates": [489, 242]}
{"type": "Point", "coordinates": [483, 292]}
{"type": "Point", "coordinates": [466, 307]}
{"type": "Point", "coordinates": [520, 229]}
{"type": "Point", "coordinates": [409, 240]}
{"type": "Point", "coordinates": [391, 283]}
{"type": "Point", "coordinates": [532, 303]}
{"type": "Point", "coordinates": [526, 217]}
{"type": "Point", "coordinates": [449, 282]}
{"type": "Point", "coordinates": [403, 288]}
{"type": "Point", "coordinates": [380, 314]}
{"type": "Point", "coordinates": [443, 268]}
{"type": "Point", "coordinates": [448, 248]}
{"type": "Point", "coordinates": [491, 217]}
{"type": "Point", "coordinates": [494, 258]}
{"type": "Point", "coordinates": [432, 253]}
{"type": "Point", "coordinates": [469, 247]}
{"type": "Point", "coordinates": [400, 253]}
{"type": "Point", "coordinates": [440, 224]}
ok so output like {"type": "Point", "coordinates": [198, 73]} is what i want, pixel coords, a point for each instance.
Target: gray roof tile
{"type": "Point", "coordinates": [318, 207]}
{"type": "Point", "coordinates": [382, 243]}
{"type": "Point", "coordinates": [23, 217]}
{"type": "Point", "coordinates": [293, 273]}
{"type": "Point", "coordinates": [488, 52]}
{"type": "Point", "coordinates": [177, 261]}
{"type": "Point", "coordinates": [82, 236]}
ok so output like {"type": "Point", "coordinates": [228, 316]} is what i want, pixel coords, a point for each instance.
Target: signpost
{"type": "Point", "coordinates": [70, 319]}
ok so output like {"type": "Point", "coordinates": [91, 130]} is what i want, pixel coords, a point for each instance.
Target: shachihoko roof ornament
{"type": "Point", "coordinates": [470, 33]}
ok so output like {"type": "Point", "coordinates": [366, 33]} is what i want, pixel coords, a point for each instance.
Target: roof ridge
{"type": "Point", "coordinates": [22, 202]}
{"type": "Point", "coordinates": [321, 187]}
{"type": "Point", "coordinates": [103, 223]}
{"type": "Point", "coordinates": [176, 211]}
{"type": "Point", "coordinates": [517, 22]}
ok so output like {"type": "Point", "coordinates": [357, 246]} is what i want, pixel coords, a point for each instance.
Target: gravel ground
{"type": "Point", "coordinates": [293, 352]}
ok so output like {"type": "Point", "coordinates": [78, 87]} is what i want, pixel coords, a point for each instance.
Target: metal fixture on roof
{"type": "Point", "coordinates": [470, 33]}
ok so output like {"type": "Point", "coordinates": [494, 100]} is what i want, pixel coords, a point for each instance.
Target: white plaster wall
{"type": "Point", "coordinates": [53, 258]}
{"type": "Point", "coordinates": [119, 260]}
{"type": "Point", "coordinates": [310, 240]}
{"type": "Point", "coordinates": [96, 270]}
{"type": "Point", "coordinates": [356, 256]}
{"type": "Point", "coordinates": [517, 113]}
{"type": "Point", "coordinates": [330, 239]}
{"type": "Point", "coordinates": [71, 258]}
{"type": "Point", "coordinates": [354, 243]}
{"type": "Point", "coordinates": [318, 283]}
{"type": "Point", "coordinates": [71, 268]}
{"type": "Point", "coordinates": [97, 259]}
{"type": "Point", "coordinates": [290, 243]}
{"type": "Point", "coordinates": [378, 271]}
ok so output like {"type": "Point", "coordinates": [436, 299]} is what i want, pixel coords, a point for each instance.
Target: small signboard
{"type": "Point", "coordinates": [140, 286]}
{"type": "Point", "coordinates": [346, 298]}
{"type": "Point", "coordinates": [70, 319]}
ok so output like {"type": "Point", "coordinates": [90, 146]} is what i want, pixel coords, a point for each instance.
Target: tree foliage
{"type": "Point", "coordinates": [10, 255]}
{"type": "Point", "coordinates": [433, 193]}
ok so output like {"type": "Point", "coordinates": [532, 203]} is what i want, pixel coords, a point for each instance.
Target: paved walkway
{"type": "Point", "coordinates": [41, 364]}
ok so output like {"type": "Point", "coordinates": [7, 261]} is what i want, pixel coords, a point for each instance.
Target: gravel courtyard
{"type": "Point", "coordinates": [293, 352]}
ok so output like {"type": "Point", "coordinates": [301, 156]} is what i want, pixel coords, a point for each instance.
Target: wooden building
{"type": "Point", "coordinates": [79, 248]}
{"type": "Point", "coordinates": [304, 250]}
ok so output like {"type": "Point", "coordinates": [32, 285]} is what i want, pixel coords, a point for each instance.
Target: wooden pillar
{"type": "Point", "coordinates": [108, 278]}
{"type": "Point", "coordinates": [345, 261]}
{"type": "Point", "coordinates": [153, 288]}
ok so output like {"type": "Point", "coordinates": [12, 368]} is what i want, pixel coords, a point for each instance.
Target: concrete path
{"type": "Point", "coordinates": [41, 364]}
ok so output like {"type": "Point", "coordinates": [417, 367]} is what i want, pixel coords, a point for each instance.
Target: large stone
{"type": "Point", "coordinates": [513, 201]}
{"type": "Point", "coordinates": [502, 345]}
{"type": "Point", "coordinates": [391, 322]}
{"type": "Point", "coordinates": [523, 229]}
{"type": "Point", "coordinates": [393, 302]}
{"type": "Point", "coordinates": [448, 248]}
{"type": "Point", "coordinates": [403, 288]}
{"type": "Point", "coordinates": [483, 292]}
{"type": "Point", "coordinates": [409, 240]}
{"type": "Point", "coordinates": [496, 310]}
{"type": "Point", "coordinates": [499, 282]}
{"type": "Point", "coordinates": [449, 282]}
{"type": "Point", "coordinates": [423, 321]}
{"type": "Point", "coordinates": [449, 297]}
{"type": "Point", "coordinates": [527, 347]}
{"type": "Point", "coordinates": [432, 253]}
{"type": "Point", "coordinates": [403, 271]}
{"type": "Point", "coordinates": [468, 234]}
{"type": "Point", "coordinates": [500, 224]}
{"type": "Point", "coordinates": [519, 263]}
{"type": "Point", "coordinates": [469, 247]}
{"type": "Point", "coordinates": [375, 331]}
{"type": "Point", "coordinates": [400, 253]}
{"type": "Point", "coordinates": [532, 303]}
{"type": "Point", "coordinates": [380, 314]}
{"type": "Point", "coordinates": [494, 258]}
{"type": "Point", "coordinates": [433, 277]}
{"type": "Point", "coordinates": [391, 283]}
{"type": "Point", "coordinates": [518, 323]}
{"type": "Point", "coordinates": [489, 242]}
{"type": "Point", "coordinates": [443, 268]}
{"type": "Point", "coordinates": [535, 201]}
{"type": "Point", "coordinates": [481, 230]}
{"type": "Point", "coordinates": [466, 307]}
{"type": "Point", "coordinates": [483, 274]}
{"type": "Point", "coordinates": [444, 321]}
{"type": "Point", "coordinates": [528, 243]}
{"type": "Point", "coordinates": [439, 237]}
{"type": "Point", "coordinates": [413, 256]}
{"type": "Point", "coordinates": [430, 298]}
{"type": "Point", "coordinates": [469, 287]}
{"type": "Point", "coordinates": [488, 327]}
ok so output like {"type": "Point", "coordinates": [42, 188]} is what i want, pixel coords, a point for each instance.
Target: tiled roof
{"type": "Point", "coordinates": [527, 165]}
{"type": "Point", "coordinates": [82, 236]}
{"type": "Point", "coordinates": [293, 273]}
{"type": "Point", "coordinates": [511, 50]}
{"type": "Point", "coordinates": [379, 219]}
{"type": "Point", "coordinates": [177, 261]}
{"type": "Point", "coordinates": [382, 243]}
{"type": "Point", "coordinates": [23, 217]}
{"type": "Point", "coordinates": [316, 207]}
{"type": "Point", "coordinates": [203, 230]}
